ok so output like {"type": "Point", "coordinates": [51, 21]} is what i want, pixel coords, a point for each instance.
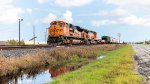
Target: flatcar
{"type": "Point", "coordinates": [61, 32]}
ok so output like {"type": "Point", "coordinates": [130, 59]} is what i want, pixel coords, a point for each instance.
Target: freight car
{"type": "Point", "coordinates": [61, 32]}
{"type": "Point", "coordinates": [109, 40]}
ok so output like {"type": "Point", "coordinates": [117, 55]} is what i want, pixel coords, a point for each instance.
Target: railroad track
{"type": "Point", "coordinates": [13, 47]}
{"type": "Point", "coordinates": [17, 47]}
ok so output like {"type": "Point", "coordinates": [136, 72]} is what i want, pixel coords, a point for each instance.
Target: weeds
{"type": "Point", "coordinates": [54, 57]}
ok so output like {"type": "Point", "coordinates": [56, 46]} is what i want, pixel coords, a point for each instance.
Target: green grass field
{"type": "Point", "coordinates": [116, 68]}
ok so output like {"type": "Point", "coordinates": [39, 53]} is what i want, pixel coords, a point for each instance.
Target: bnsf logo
{"type": "Point", "coordinates": [56, 30]}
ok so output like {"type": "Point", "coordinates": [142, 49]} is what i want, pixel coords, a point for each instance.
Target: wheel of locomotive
{"type": "Point", "coordinates": [86, 42]}
{"type": "Point", "coordinates": [48, 43]}
{"type": "Point", "coordinates": [71, 41]}
{"type": "Point", "coordinates": [59, 41]}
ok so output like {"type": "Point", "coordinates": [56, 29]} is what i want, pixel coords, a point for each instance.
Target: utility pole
{"type": "Point", "coordinates": [119, 35]}
{"type": "Point", "coordinates": [20, 20]}
{"type": "Point", "coordinates": [34, 34]}
{"type": "Point", "coordinates": [34, 37]}
{"type": "Point", "coordinates": [46, 35]}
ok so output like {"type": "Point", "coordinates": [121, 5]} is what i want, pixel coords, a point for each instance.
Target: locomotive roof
{"type": "Point", "coordinates": [105, 36]}
{"type": "Point", "coordinates": [75, 27]}
{"type": "Point", "coordinates": [82, 29]}
{"type": "Point", "coordinates": [58, 21]}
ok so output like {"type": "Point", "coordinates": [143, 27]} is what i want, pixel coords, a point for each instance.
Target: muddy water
{"type": "Point", "coordinates": [35, 77]}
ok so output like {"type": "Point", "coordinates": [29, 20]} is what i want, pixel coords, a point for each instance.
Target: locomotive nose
{"type": "Point", "coordinates": [55, 31]}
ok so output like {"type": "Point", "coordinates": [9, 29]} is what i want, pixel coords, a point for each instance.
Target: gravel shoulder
{"type": "Point", "coordinates": [143, 60]}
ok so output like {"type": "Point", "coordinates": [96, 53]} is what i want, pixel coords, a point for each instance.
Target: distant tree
{"type": "Point", "coordinates": [15, 42]}
{"type": "Point", "coordinates": [22, 42]}
{"type": "Point", "coordinates": [139, 42]}
{"type": "Point", "coordinates": [12, 42]}
{"type": "Point", "coordinates": [147, 42]}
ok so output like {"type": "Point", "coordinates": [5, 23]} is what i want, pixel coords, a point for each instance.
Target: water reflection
{"type": "Point", "coordinates": [58, 71]}
{"type": "Point", "coordinates": [101, 57]}
{"type": "Point", "coordinates": [39, 79]}
{"type": "Point", "coordinates": [35, 76]}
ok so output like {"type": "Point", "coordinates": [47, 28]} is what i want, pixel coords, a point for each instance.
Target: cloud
{"type": "Point", "coordinates": [42, 1]}
{"type": "Point", "coordinates": [29, 11]}
{"type": "Point", "coordinates": [115, 12]}
{"type": "Point", "coordinates": [68, 16]}
{"type": "Point", "coordinates": [131, 20]}
{"type": "Point", "coordinates": [98, 23]}
{"type": "Point", "coordinates": [49, 18]}
{"type": "Point", "coordinates": [67, 3]}
{"type": "Point", "coordinates": [9, 14]}
{"type": "Point", "coordinates": [118, 12]}
{"type": "Point", "coordinates": [121, 16]}
{"type": "Point", "coordinates": [134, 20]}
{"type": "Point", "coordinates": [138, 3]}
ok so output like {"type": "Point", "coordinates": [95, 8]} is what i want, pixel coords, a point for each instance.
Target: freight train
{"type": "Point", "coordinates": [61, 33]}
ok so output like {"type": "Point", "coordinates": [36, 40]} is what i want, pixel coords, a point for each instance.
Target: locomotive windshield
{"type": "Point", "coordinates": [61, 24]}
{"type": "Point", "coordinates": [53, 23]}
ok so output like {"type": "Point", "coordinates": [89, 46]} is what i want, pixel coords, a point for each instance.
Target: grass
{"type": "Point", "coordinates": [116, 68]}
{"type": "Point", "coordinates": [71, 56]}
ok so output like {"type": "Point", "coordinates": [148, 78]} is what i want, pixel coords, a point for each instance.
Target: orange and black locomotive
{"type": "Point", "coordinates": [61, 32]}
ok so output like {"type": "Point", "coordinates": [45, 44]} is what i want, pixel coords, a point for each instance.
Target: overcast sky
{"type": "Point", "coordinates": [131, 18]}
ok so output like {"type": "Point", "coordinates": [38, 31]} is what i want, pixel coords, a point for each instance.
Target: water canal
{"type": "Point", "coordinates": [39, 75]}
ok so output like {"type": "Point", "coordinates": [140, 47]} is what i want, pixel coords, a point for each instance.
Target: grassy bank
{"type": "Point", "coordinates": [116, 68]}
{"type": "Point", "coordinates": [63, 56]}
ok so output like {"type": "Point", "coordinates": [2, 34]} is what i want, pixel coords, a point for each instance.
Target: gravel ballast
{"type": "Point", "coordinates": [21, 52]}
{"type": "Point", "coordinates": [143, 59]}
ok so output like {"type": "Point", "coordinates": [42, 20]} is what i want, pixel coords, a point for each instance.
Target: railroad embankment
{"type": "Point", "coordinates": [118, 67]}
{"type": "Point", "coordinates": [61, 56]}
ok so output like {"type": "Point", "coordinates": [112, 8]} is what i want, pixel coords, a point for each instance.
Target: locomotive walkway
{"type": "Point", "coordinates": [143, 59]}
